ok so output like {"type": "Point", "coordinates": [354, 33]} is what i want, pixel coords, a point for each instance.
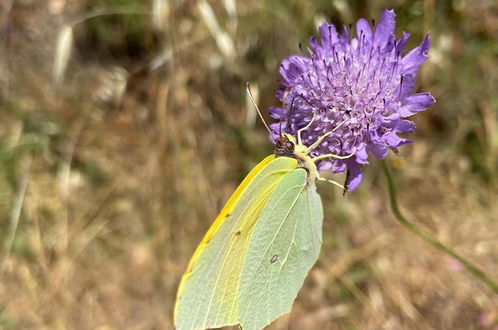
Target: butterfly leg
{"type": "Point", "coordinates": [323, 137]}
{"type": "Point", "coordinates": [299, 141]}
{"type": "Point", "coordinates": [317, 142]}
{"type": "Point", "coordinates": [316, 159]}
{"type": "Point", "coordinates": [318, 177]}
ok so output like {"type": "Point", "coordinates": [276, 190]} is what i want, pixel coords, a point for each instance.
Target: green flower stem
{"type": "Point", "coordinates": [428, 237]}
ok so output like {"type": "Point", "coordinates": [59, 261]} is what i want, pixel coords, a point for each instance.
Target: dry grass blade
{"type": "Point", "coordinates": [231, 9]}
{"type": "Point", "coordinates": [15, 215]}
{"type": "Point", "coordinates": [223, 40]}
{"type": "Point", "coordinates": [62, 53]}
{"type": "Point", "coordinates": [251, 104]}
{"type": "Point", "coordinates": [339, 267]}
{"type": "Point", "coordinates": [160, 12]}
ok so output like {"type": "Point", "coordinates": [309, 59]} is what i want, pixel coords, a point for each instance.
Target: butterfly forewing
{"type": "Point", "coordinates": [209, 291]}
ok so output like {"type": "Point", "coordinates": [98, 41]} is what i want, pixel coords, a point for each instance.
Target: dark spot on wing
{"type": "Point", "coordinates": [227, 215]}
{"type": "Point", "coordinates": [237, 233]}
{"type": "Point", "coordinates": [274, 259]}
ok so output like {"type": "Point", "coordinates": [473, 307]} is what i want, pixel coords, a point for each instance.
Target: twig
{"type": "Point", "coordinates": [474, 270]}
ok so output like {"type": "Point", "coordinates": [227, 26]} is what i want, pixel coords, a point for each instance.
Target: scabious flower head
{"type": "Point", "coordinates": [360, 86]}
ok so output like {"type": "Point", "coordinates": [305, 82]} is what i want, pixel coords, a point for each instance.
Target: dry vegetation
{"type": "Point", "coordinates": [109, 178]}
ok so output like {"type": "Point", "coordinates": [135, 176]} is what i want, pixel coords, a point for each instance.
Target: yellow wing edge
{"type": "Point", "coordinates": [225, 212]}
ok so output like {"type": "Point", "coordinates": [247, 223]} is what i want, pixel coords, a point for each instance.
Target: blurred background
{"type": "Point", "coordinates": [124, 127]}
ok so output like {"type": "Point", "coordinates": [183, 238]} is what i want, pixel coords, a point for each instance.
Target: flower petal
{"type": "Point", "coordinates": [406, 86]}
{"type": "Point", "coordinates": [364, 31]}
{"type": "Point", "coordinates": [355, 176]}
{"type": "Point", "coordinates": [328, 35]}
{"type": "Point", "coordinates": [292, 68]}
{"type": "Point", "coordinates": [344, 37]}
{"type": "Point", "coordinates": [412, 61]}
{"type": "Point", "coordinates": [339, 166]}
{"type": "Point", "coordinates": [274, 128]}
{"type": "Point", "coordinates": [361, 155]}
{"type": "Point", "coordinates": [391, 43]}
{"type": "Point", "coordinates": [379, 150]}
{"type": "Point", "coordinates": [277, 112]}
{"type": "Point", "coordinates": [324, 166]}
{"type": "Point", "coordinates": [393, 141]}
{"type": "Point", "coordinates": [384, 29]}
{"type": "Point", "coordinates": [415, 103]}
{"type": "Point", "coordinates": [400, 44]}
{"type": "Point", "coordinates": [402, 126]}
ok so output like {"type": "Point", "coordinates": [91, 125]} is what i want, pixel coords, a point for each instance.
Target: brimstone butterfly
{"type": "Point", "coordinates": [251, 263]}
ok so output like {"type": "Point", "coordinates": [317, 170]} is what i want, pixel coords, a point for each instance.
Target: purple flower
{"type": "Point", "coordinates": [361, 86]}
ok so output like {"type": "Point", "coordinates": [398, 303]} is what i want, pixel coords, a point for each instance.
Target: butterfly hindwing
{"type": "Point", "coordinates": [284, 246]}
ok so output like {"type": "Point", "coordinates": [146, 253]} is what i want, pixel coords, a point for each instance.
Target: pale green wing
{"type": "Point", "coordinates": [208, 293]}
{"type": "Point", "coordinates": [284, 246]}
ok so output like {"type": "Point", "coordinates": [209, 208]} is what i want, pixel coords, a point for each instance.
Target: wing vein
{"type": "Point", "coordinates": [260, 205]}
{"type": "Point", "coordinates": [227, 253]}
{"type": "Point", "coordinates": [293, 241]}
{"type": "Point", "coordinates": [283, 221]}
{"type": "Point", "coordinates": [212, 278]}
{"type": "Point", "coordinates": [225, 259]}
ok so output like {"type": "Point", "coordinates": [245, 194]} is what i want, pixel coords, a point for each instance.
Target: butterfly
{"type": "Point", "coordinates": [251, 263]}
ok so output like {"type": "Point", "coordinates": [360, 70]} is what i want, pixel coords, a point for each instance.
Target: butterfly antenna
{"type": "Point", "coordinates": [280, 123]}
{"type": "Point", "coordinates": [309, 103]}
{"type": "Point", "coordinates": [248, 89]}
{"type": "Point", "coordinates": [292, 106]}
{"type": "Point", "coordinates": [282, 113]}
{"type": "Point", "coordinates": [290, 113]}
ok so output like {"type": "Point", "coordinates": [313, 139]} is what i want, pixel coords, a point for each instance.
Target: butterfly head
{"type": "Point", "coordinates": [285, 145]}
